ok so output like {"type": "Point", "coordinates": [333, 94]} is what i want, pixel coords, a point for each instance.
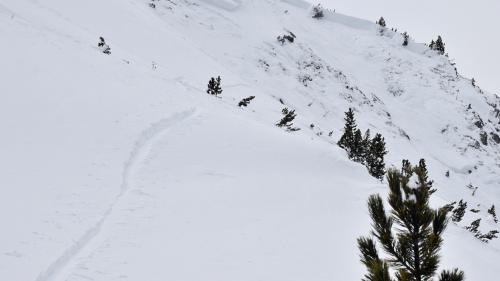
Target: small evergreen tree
{"type": "Point", "coordinates": [474, 226]}
{"type": "Point", "coordinates": [432, 45]}
{"type": "Point", "coordinates": [365, 146]}
{"type": "Point", "coordinates": [246, 101]}
{"type": "Point", "coordinates": [406, 39]}
{"type": "Point", "coordinates": [381, 22]}
{"type": "Point", "coordinates": [103, 46]}
{"type": "Point", "coordinates": [347, 141]}
{"type": "Point", "coordinates": [493, 213]}
{"type": "Point", "coordinates": [438, 45]}
{"type": "Point", "coordinates": [483, 137]}
{"type": "Point", "coordinates": [214, 87]}
{"type": "Point", "coordinates": [492, 234]}
{"type": "Point", "coordinates": [357, 150]}
{"type": "Point", "coordinates": [375, 157]}
{"type": "Point", "coordinates": [454, 275]}
{"type": "Point", "coordinates": [290, 37]}
{"type": "Point", "coordinates": [406, 169]}
{"type": "Point", "coordinates": [425, 173]}
{"type": "Point", "coordinates": [413, 245]}
{"type": "Point", "coordinates": [459, 211]}
{"type": "Point", "coordinates": [318, 12]}
{"type": "Point", "coordinates": [286, 121]}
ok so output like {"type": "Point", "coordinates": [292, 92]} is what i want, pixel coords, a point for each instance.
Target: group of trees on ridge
{"type": "Point", "coordinates": [363, 149]}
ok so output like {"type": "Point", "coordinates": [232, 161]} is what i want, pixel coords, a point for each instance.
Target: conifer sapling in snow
{"type": "Point", "coordinates": [438, 45]}
{"type": "Point", "coordinates": [406, 39]}
{"type": "Point", "coordinates": [290, 37]}
{"type": "Point", "coordinates": [375, 157]}
{"type": "Point", "coordinates": [365, 145]}
{"type": "Point", "coordinates": [351, 139]}
{"type": "Point", "coordinates": [214, 87]}
{"type": "Point", "coordinates": [432, 45]}
{"type": "Point", "coordinates": [413, 244]}
{"type": "Point", "coordinates": [358, 149]}
{"type": "Point", "coordinates": [286, 121]}
{"type": "Point", "coordinates": [246, 101]}
{"type": "Point", "coordinates": [406, 168]}
{"type": "Point", "coordinates": [473, 227]}
{"type": "Point", "coordinates": [423, 167]}
{"type": "Point", "coordinates": [318, 12]}
{"type": "Point", "coordinates": [493, 213]}
{"type": "Point", "coordinates": [381, 22]}
{"type": "Point", "coordinates": [459, 211]}
{"type": "Point", "coordinates": [103, 46]}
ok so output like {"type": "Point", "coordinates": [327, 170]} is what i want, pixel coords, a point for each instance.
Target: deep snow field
{"type": "Point", "coordinates": [121, 167]}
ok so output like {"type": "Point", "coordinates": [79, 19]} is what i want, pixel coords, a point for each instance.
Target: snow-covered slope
{"type": "Point", "coordinates": [121, 167]}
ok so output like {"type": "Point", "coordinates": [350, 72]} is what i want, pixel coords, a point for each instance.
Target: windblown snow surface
{"type": "Point", "coordinates": [121, 167]}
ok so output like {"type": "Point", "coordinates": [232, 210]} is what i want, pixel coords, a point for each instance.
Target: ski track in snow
{"type": "Point", "coordinates": [141, 147]}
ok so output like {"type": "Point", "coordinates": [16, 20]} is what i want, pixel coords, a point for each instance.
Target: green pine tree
{"type": "Point", "coordinates": [454, 275]}
{"type": "Point", "coordinates": [438, 45]}
{"type": "Point", "coordinates": [432, 45]}
{"type": "Point", "coordinates": [413, 244]}
{"type": "Point", "coordinates": [459, 211]}
{"type": "Point", "coordinates": [286, 121]}
{"type": "Point", "coordinates": [375, 157]}
{"type": "Point", "coordinates": [214, 86]}
{"type": "Point", "coordinates": [347, 139]}
{"type": "Point", "coordinates": [406, 169]}
{"type": "Point", "coordinates": [493, 213]}
{"type": "Point", "coordinates": [357, 150]}
{"type": "Point", "coordinates": [381, 22]}
{"type": "Point", "coordinates": [406, 38]}
{"type": "Point", "coordinates": [423, 167]}
{"type": "Point", "coordinates": [365, 146]}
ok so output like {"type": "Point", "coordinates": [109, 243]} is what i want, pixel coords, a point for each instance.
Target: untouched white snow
{"type": "Point", "coordinates": [121, 167]}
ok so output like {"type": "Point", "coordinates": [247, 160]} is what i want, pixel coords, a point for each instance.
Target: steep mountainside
{"type": "Point", "coordinates": [121, 167]}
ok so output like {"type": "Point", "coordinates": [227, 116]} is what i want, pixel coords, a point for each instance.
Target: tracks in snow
{"type": "Point", "coordinates": [61, 266]}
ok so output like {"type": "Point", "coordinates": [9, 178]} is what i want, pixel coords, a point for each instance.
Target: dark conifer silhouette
{"type": "Point", "coordinates": [493, 213]}
{"type": "Point", "coordinates": [318, 12]}
{"type": "Point", "coordinates": [214, 86]}
{"type": "Point", "coordinates": [286, 121]}
{"type": "Point", "coordinates": [103, 46]}
{"type": "Point", "coordinates": [459, 211]}
{"type": "Point", "coordinates": [438, 45]}
{"type": "Point", "coordinates": [422, 166]}
{"type": "Point", "coordinates": [406, 39]}
{"type": "Point", "coordinates": [246, 101]}
{"type": "Point", "coordinates": [381, 22]}
{"type": "Point", "coordinates": [347, 139]}
{"type": "Point", "coordinates": [375, 157]}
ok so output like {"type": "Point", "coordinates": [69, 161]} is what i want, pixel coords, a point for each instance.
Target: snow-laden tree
{"type": "Point", "coordinates": [410, 235]}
